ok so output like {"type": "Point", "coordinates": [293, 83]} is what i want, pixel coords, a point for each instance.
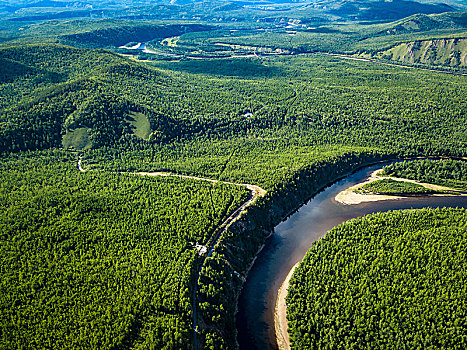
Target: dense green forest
{"type": "Point", "coordinates": [392, 280]}
{"type": "Point", "coordinates": [106, 259]}
{"type": "Point", "coordinates": [316, 99]}
{"type": "Point", "coordinates": [223, 274]}
{"type": "Point", "coordinates": [394, 187]}
{"type": "Point", "coordinates": [101, 260]}
{"type": "Point", "coordinates": [447, 172]}
{"type": "Point", "coordinates": [288, 124]}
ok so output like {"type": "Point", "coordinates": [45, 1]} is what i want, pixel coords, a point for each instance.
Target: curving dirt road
{"type": "Point", "coordinates": [256, 192]}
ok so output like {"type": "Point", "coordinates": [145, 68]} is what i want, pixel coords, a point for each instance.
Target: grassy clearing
{"type": "Point", "coordinates": [141, 125]}
{"type": "Point", "coordinates": [77, 139]}
{"type": "Point", "coordinates": [171, 42]}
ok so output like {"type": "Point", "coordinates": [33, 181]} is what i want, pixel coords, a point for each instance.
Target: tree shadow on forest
{"type": "Point", "coordinates": [235, 67]}
{"type": "Point", "coordinates": [12, 70]}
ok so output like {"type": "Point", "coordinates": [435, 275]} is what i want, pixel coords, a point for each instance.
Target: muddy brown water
{"type": "Point", "coordinates": [291, 240]}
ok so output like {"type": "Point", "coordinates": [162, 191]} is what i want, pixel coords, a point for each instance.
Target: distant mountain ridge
{"type": "Point", "coordinates": [343, 10]}
{"type": "Point", "coordinates": [431, 48]}
{"type": "Point", "coordinates": [421, 22]}
{"type": "Point", "coordinates": [116, 36]}
{"type": "Point", "coordinates": [387, 10]}
{"type": "Point", "coordinates": [48, 4]}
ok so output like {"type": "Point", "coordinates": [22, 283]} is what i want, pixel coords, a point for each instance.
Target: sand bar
{"type": "Point", "coordinates": [280, 314]}
{"type": "Point", "coordinates": [349, 197]}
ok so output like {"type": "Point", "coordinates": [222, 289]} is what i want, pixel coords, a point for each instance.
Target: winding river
{"type": "Point", "coordinates": [289, 243]}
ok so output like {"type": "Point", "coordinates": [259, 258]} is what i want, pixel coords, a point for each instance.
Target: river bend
{"type": "Point", "coordinates": [291, 240]}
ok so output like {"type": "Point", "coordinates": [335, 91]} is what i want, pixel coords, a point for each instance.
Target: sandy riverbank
{"type": "Point", "coordinates": [348, 196]}
{"type": "Point", "coordinates": [280, 314]}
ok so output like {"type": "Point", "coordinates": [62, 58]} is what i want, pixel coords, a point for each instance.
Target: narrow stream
{"type": "Point", "coordinates": [289, 243]}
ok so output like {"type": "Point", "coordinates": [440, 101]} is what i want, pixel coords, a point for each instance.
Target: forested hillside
{"type": "Point", "coordinates": [241, 93]}
{"type": "Point", "coordinates": [120, 35]}
{"type": "Point", "coordinates": [43, 97]}
{"type": "Point", "coordinates": [288, 124]}
{"type": "Point", "coordinates": [101, 260]}
{"type": "Point", "coordinates": [405, 32]}
{"type": "Point", "coordinates": [446, 52]}
{"type": "Point", "coordinates": [386, 280]}
{"type": "Point", "coordinates": [273, 11]}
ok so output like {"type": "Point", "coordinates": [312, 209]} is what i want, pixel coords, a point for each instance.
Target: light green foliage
{"type": "Point", "coordinates": [76, 139]}
{"type": "Point", "coordinates": [141, 124]}
{"type": "Point", "coordinates": [100, 260]}
{"type": "Point", "coordinates": [447, 52]}
{"type": "Point", "coordinates": [266, 163]}
{"type": "Point", "coordinates": [392, 280]}
{"type": "Point", "coordinates": [393, 187]}
{"type": "Point", "coordinates": [323, 99]}
{"type": "Point", "coordinates": [446, 172]}
{"type": "Point", "coordinates": [111, 251]}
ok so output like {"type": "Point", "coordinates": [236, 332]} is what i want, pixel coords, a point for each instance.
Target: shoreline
{"type": "Point", "coordinates": [285, 217]}
{"type": "Point", "coordinates": [344, 197]}
{"type": "Point", "coordinates": [280, 313]}
{"type": "Point", "coordinates": [349, 197]}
